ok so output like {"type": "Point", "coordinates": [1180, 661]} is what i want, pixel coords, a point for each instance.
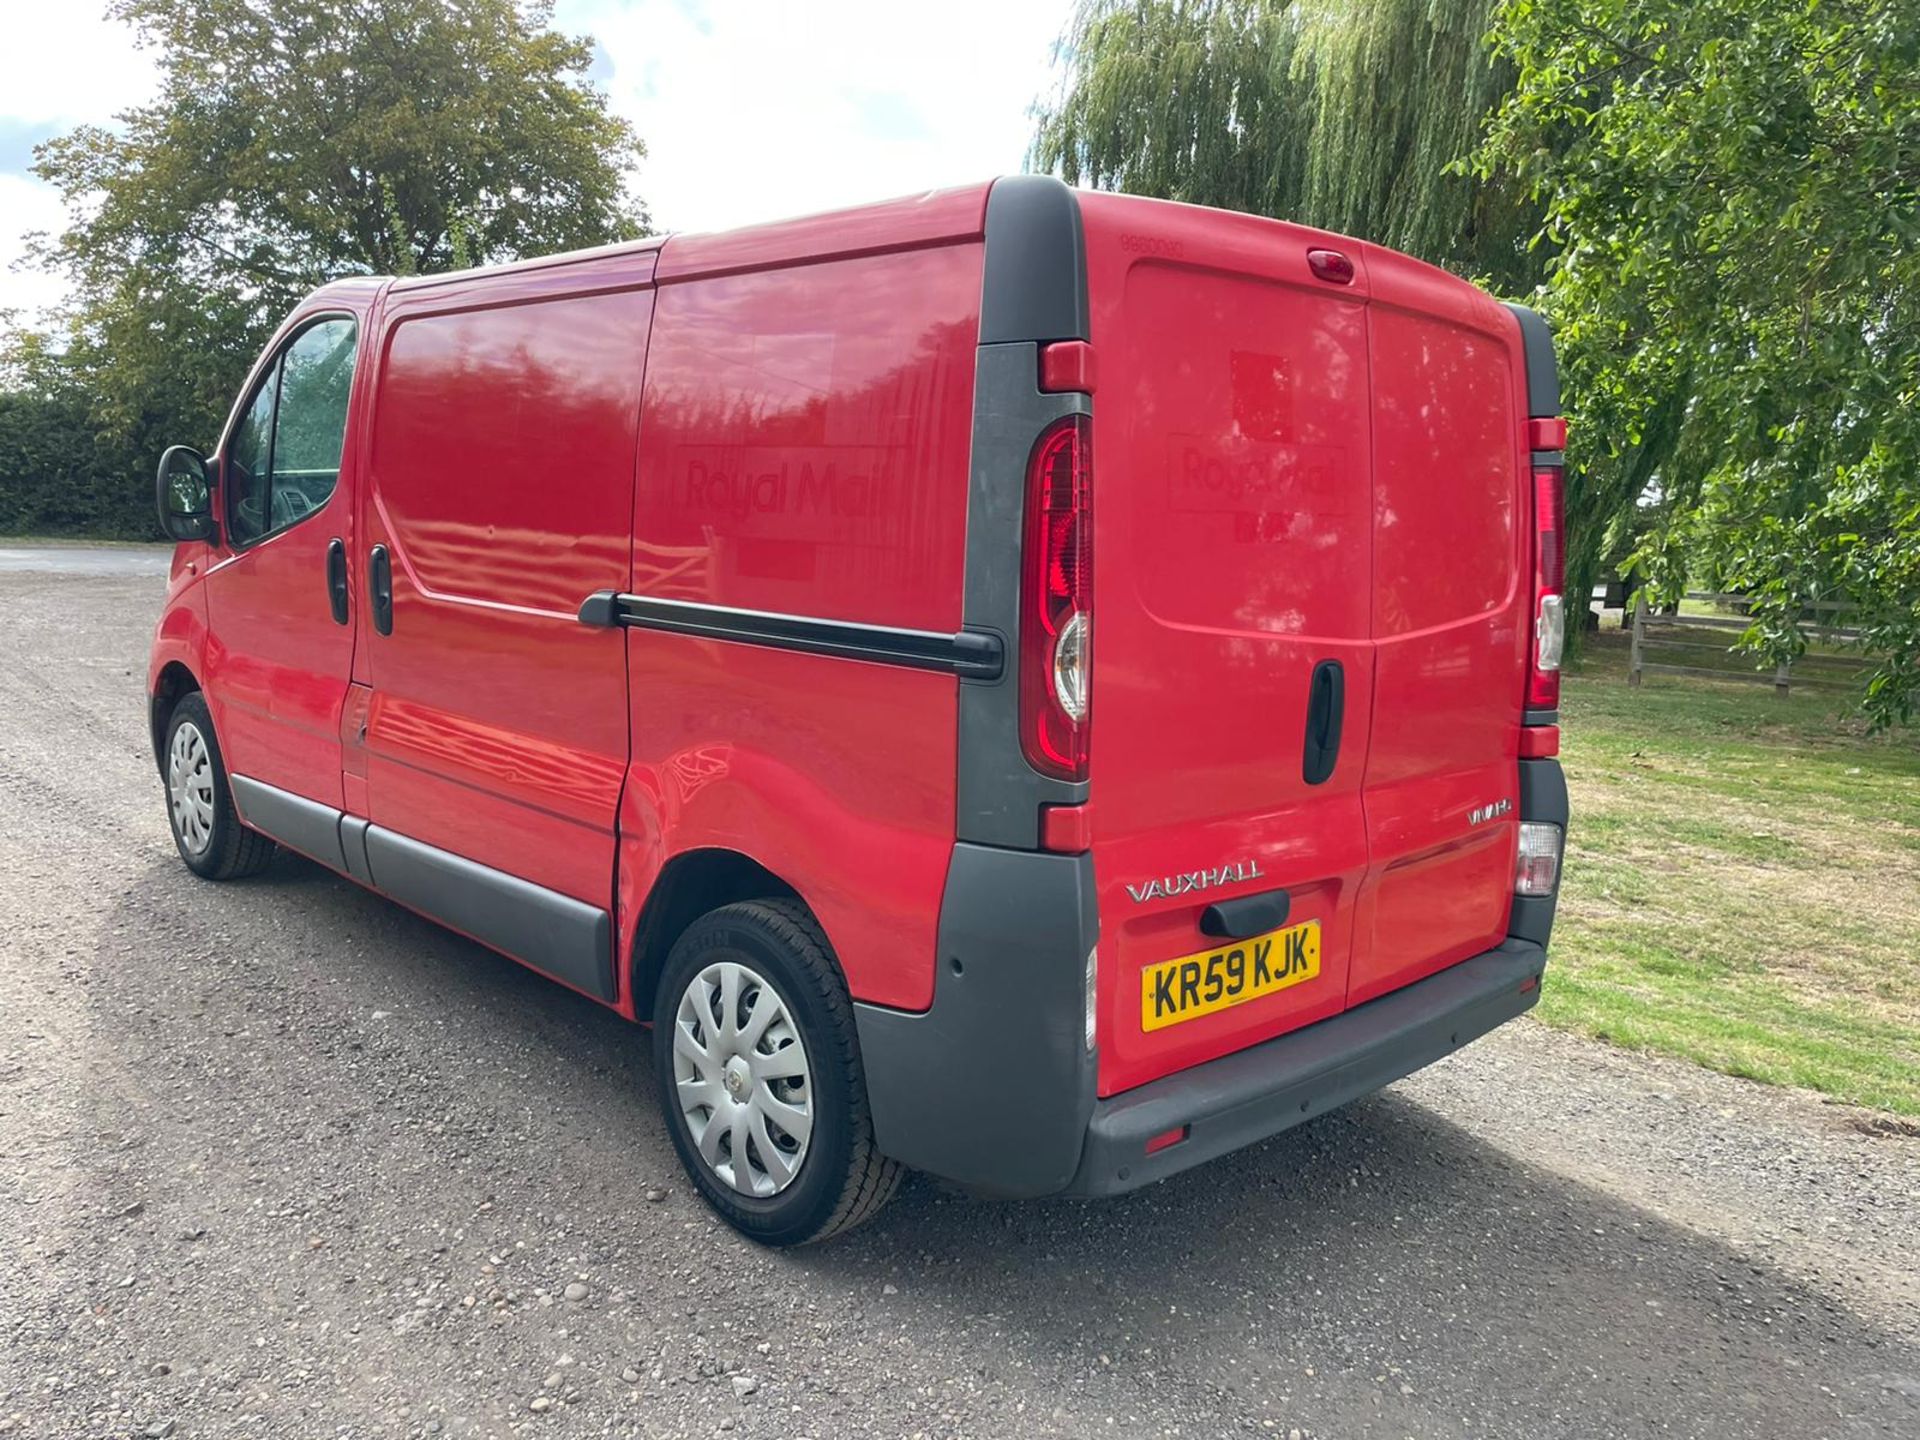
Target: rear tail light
{"type": "Point", "coordinates": [1549, 579]}
{"type": "Point", "coordinates": [1536, 869]}
{"type": "Point", "coordinates": [1056, 605]}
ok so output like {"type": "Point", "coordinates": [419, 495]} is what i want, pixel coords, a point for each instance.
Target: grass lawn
{"type": "Point", "coordinates": [1742, 882]}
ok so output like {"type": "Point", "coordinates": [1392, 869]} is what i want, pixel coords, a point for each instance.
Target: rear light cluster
{"type": "Point", "coordinates": [1056, 606]}
{"type": "Point", "coordinates": [1549, 568]}
{"type": "Point", "coordinates": [1536, 869]}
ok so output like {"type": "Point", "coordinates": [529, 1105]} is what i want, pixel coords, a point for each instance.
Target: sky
{"type": "Point", "coordinates": [751, 109]}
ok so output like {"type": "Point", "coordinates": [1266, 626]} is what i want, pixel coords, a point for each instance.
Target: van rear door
{"type": "Point", "coordinates": [1449, 620]}
{"type": "Point", "coordinates": [1232, 569]}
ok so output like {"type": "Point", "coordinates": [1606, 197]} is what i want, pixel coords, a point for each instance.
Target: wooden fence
{"type": "Point", "coordinates": [1676, 635]}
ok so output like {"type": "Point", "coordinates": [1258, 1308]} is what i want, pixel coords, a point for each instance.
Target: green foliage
{"type": "Point", "coordinates": [295, 141]}
{"type": "Point", "coordinates": [1732, 192]}
{"type": "Point", "coordinates": [57, 477]}
{"type": "Point", "coordinates": [1185, 101]}
{"type": "Point", "coordinates": [1351, 117]}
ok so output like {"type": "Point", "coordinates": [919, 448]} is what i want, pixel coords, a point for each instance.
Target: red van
{"type": "Point", "coordinates": [710, 624]}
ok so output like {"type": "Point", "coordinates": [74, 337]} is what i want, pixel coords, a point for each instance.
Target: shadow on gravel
{"type": "Point", "coordinates": [1381, 1260]}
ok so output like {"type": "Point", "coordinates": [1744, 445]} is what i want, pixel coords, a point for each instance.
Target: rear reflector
{"type": "Point", "coordinates": [1536, 868]}
{"type": "Point", "coordinates": [1056, 603]}
{"type": "Point", "coordinates": [1547, 433]}
{"type": "Point", "coordinates": [1093, 995]}
{"type": "Point", "coordinates": [1537, 742]}
{"type": "Point", "coordinates": [1066, 829]}
{"type": "Point", "coordinates": [1166, 1138]}
{"type": "Point", "coordinates": [1067, 365]}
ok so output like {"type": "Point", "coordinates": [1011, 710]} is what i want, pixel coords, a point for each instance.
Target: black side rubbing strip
{"type": "Point", "coordinates": [1035, 285]}
{"type": "Point", "coordinates": [1326, 708]}
{"type": "Point", "coordinates": [966, 653]}
{"type": "Point", "coordinates": [1246, 916]}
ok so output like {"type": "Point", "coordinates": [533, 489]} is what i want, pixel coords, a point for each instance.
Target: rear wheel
{"type": "Point", "coordinates": [206, 829]}
{"type": "Point", "coordinates": [760, 1079]}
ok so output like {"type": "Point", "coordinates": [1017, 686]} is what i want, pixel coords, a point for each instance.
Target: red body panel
{"type": "Point", "coordinates": [501, 449]}
{"type": "Point", "coordinates": [1293, 467]}
{"type": "Point", "coordinates": [276, 662]}
{"type": "Point", "coordinates": [1232, 554]}
{"type": "Point", "coordinates": [1449, 619]}
{"type": "Point", "coordinates": [804, 450]}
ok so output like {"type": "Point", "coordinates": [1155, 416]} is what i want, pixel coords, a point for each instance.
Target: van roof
{"type": "Point", "coordinates": [928, 218]}
{"type": "Point", "coordinates": [898, 224]}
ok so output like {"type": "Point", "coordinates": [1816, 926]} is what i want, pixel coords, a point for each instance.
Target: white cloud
{"type": "Point", "coordinates": [751, 109]}
{"type": "Point", "coordinates": [755, 109]}
{"type": "Point", "coordinates": [26, 206]}
{"type": "Point", "coordinates": [64, 62]}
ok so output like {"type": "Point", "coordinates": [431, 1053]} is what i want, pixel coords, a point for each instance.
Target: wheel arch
{"type": "Point", "coordinates": [173, 681]}
{"type": "Point", "coordinates": [690, 885]}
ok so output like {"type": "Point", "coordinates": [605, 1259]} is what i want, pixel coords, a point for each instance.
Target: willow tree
{"type": "Point", "coordinates": [1353, 116]}
{"type": "Point", "coordinates": [1401, 91]}
{"type": "Point", "coordinates": [1184, 101]}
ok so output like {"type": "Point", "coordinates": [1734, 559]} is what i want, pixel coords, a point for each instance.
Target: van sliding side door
{"type": "Point", "coordinates": [500, 494]}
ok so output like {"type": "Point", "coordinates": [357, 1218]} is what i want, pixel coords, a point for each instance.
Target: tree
{"type": "Point", "coordinates": [1354, 117]}
{"type": "Point", "coordinates": [1184, 101]}
{"type": "Point", "coordinates": [1732, 190]}
{"type": "Point", "coordinates": [295, 141]}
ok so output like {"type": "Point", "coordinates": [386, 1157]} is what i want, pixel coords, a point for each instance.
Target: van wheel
{"type": "Point", "coordinates": [206, 830]}
{"type": "Point", "coordinates": [759, 1072]}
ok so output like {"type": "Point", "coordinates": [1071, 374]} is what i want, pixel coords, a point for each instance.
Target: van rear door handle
{"type": "Point", "coordinates": [1326, 707]}
{"type": "Point", "coordinates": [380, 589]}
{"type": "Point", "coordinates": [337, 579]}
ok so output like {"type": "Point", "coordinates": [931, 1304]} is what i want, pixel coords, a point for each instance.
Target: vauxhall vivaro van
{"type": "Point", "coordinates": [1036, 686]}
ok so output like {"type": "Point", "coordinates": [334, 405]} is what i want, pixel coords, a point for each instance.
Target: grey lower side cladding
{"type": "Point", "coordinates": [566, 938]}
{"type": "Point", "coordinates": [1543, 796]}
{"type": "Point", "coordinates": [291, 820]}
{"type": "Point", "coordinates": [993, 1084]}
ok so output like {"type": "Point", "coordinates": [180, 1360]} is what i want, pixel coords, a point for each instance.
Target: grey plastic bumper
{"type": "Point", "coordinates": [1247, 1096]}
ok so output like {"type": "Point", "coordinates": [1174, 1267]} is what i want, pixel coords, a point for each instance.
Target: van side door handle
{"type": "Point", "coordinates": [1326, 707]}
{"type": "Point", "coordinates": [337, 579]}
{"type": "Point", "coordinates": [380, 589]}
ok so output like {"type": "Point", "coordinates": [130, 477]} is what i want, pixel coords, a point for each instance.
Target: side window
{"type": "Point", "coordinates": [284, 458]}
{"type": "Point", "coordinates": [315, 378]}
{"type": "Point", "coordinates": [246, 466]}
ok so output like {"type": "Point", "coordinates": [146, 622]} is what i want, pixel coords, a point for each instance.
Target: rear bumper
{"type": "Point", "coordinates": [1258, 1092]}
{"type": "Point", "coordinates": [993, 1085]}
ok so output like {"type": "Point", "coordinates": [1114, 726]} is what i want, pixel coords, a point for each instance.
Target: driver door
{"type": "Point", "coordinates": [279, 598]}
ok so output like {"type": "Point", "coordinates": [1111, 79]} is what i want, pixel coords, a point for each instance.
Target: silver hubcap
{"type": "Point", "coordinates": [740, 1068]}
{"type": "Point", "coordinates": [190, 787]}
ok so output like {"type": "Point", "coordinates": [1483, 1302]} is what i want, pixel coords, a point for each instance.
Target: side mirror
{"type": "Point", "coordinates": [184, 495]}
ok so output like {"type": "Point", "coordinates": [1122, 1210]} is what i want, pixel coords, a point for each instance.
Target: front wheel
{"type": "Point", "coordinates": [206, 829]}
{"type": "Point", "coordinates": [759, 1073]}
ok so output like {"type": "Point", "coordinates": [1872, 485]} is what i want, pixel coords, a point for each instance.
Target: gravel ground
{"type": "Point", "coordinates": [279, 1159]}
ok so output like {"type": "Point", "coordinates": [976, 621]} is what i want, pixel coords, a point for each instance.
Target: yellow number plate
{"type": "Point", "coordinates": [1190, 986]}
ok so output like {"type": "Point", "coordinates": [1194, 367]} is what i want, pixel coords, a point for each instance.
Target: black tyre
{"type": "Point", "coordinates": [759, 1072]}
{"type": "Point", "coordinates": [206, 829]}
